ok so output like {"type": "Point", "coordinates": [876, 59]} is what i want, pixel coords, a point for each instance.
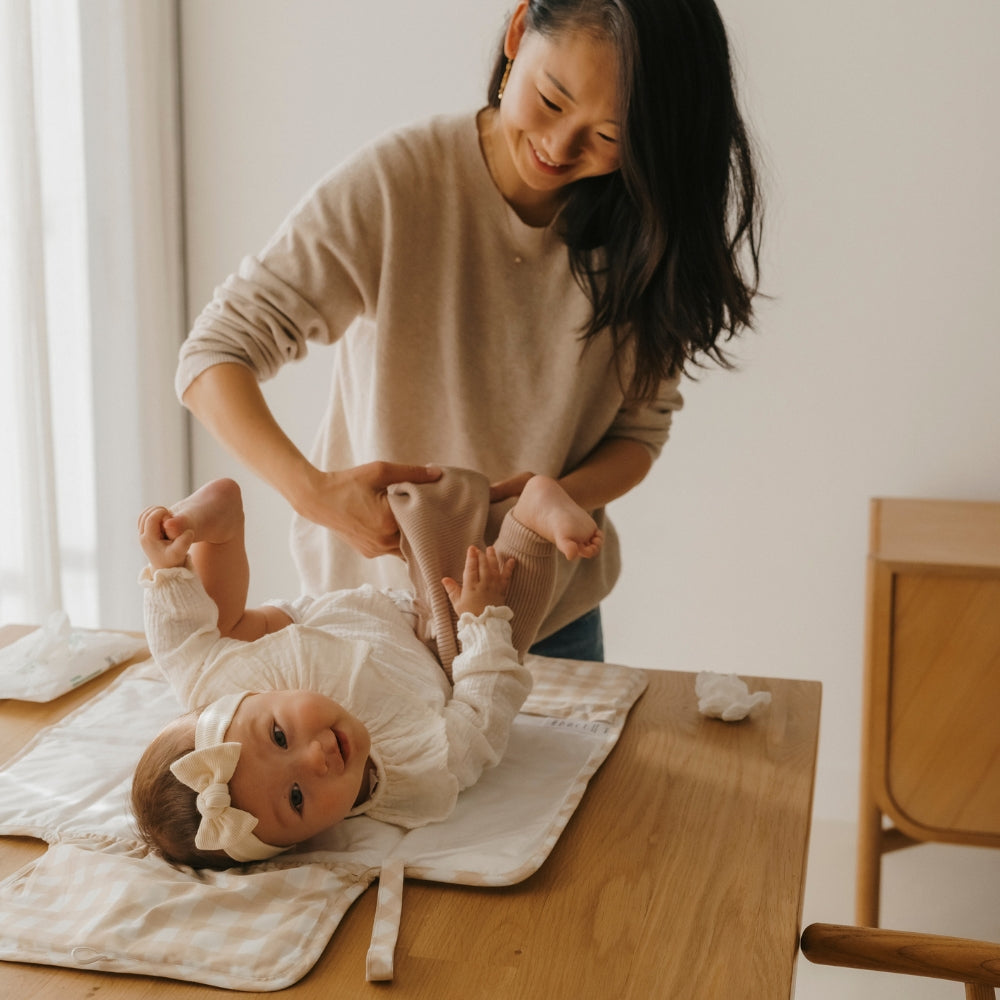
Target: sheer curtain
{"type": "Point", "coordinates": [91, 300]}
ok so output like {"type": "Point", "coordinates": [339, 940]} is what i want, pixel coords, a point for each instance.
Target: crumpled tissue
{"type": "Point", "coordinates": [56, 658]}
{"type": "Point", "coordinates": [726, 696]}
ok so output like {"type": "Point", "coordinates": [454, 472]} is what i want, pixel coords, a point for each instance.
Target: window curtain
{"type": "Point", "coordinates": [91, 300]}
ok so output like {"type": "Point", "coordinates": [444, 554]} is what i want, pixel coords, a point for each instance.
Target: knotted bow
{"type": "Point", "coordinates": [207, 770]}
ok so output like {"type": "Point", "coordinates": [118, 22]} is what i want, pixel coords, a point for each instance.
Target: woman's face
{"type": "Point", "coordinates": [558, 115]}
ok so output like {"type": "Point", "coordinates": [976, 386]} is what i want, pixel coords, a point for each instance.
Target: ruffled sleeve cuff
{"type": "Point", "coordinates": [503, 613]}
{"type": "Point", "coordinates": [150, 577]}
{"type": "Point", "coordinates": [479, 634]}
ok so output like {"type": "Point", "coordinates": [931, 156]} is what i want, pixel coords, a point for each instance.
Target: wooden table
{"type": "Point", "coordinates": [680, 875]}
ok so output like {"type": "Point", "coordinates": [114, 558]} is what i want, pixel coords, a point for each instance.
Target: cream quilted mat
{"type": "Point", "coordinates": [97, 899]}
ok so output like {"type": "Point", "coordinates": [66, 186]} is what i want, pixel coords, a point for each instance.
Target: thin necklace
{"type": "Point", "coordinates": [490, 125]}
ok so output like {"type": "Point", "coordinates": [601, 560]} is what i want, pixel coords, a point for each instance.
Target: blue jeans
{"type": "Point", "coordinates": [582, 639]}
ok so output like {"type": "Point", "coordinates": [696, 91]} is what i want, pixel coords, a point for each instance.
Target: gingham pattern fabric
{"type": "Point", "coordinates": [388, 908]}
{"type": "Point", "coordinates": [118, 912]}
{"type": "Point", "coordinates": [97, 899]}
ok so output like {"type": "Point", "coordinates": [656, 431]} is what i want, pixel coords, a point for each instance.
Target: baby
{"type": "Point", "coordinates": [323, 708]}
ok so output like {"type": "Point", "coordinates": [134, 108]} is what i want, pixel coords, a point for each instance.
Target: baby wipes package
{"type": "Point", "coordinates": [56, 658]}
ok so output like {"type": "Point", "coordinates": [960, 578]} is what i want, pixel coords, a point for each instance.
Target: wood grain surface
{"type": "Point", "coordinates": [680, 875]}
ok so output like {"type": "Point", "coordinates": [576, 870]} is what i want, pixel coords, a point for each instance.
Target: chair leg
{"type": "Point", "coordinates": [869, 876]}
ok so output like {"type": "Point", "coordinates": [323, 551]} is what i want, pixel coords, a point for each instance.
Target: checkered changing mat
{"type": "Point", "coordinates": [98, 899]}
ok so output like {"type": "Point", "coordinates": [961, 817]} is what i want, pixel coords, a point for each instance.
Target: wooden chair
{"type": "Point", "coordinates": [930, 762]}
{"type": "Point", "coordinates": [975, 963]}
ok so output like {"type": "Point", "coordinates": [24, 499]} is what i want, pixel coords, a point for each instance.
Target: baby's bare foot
{"type": "Point", "coordinates": [548, 510]}
{"type": "Point", "coordinates": [213, 513]}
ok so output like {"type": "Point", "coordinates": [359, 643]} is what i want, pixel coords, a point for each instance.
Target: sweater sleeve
{"type": "Point", "coordinates": [649, 422]}
{"type": "Point", "coordinates": [490, 687]}
{"type": "Point", "coordinates": [313, 279]}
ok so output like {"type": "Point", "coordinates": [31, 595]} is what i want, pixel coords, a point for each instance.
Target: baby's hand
{"type": "Point", "coordinates": [162, 551]}
{"type": "Point", "coordinates": [484, 582]}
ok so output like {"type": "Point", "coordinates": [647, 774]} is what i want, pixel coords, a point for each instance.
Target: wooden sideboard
{"type": "Point", "coordinates": [930, 739]}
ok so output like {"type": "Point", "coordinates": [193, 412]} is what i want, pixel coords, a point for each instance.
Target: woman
{"type": "Point", "coordinates": [515, 291]}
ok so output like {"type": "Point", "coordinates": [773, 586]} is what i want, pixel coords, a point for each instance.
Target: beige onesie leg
{"type": "Point", "coordinates": [529, 595]}
{"type": "Point", "coordinates": [437, 523]}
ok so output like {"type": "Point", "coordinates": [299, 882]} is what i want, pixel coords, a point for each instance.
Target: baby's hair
{"type": "Point", "coordinates": [668, 246]}
{"type": "Point", "coordinates": [165, 810]}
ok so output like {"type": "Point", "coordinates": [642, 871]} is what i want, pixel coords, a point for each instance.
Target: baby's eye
{"type": "Point", "coordinates": [296, 799]}
{"type": "Point", "coordinates": [278, 735]}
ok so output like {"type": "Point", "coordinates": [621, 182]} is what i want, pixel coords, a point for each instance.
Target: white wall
{"type": "Point", "coordinates": [876, 368]}
{"type": "Point", "coordinates": [275, 93]}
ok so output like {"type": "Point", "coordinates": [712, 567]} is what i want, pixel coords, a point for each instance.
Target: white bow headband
{"type": "Point", "coordinates": [207, 770]}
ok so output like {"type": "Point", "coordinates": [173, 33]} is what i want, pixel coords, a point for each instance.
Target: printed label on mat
{"type": "Point", "coordinates": [570, 725]}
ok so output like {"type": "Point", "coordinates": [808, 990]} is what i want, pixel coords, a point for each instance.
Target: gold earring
{"type": "Point", "coordinates": [503, 79]}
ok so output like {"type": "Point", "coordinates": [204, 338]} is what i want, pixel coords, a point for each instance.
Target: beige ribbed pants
{"type": "Point", "coordinates": [437, 523]}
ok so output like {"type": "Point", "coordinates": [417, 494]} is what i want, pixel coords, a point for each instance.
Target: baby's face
{"type": "Point", "coordinates": [303, 763]}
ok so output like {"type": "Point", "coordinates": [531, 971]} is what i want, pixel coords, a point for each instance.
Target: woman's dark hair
{"type": "Point", "coordinates": [165, 810]}
{"type": "Point", "coordinates": [668, 246]}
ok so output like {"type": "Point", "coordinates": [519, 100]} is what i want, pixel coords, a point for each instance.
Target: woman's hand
{"type": "Point", "coordinates": [227, 399]}
{"type": "Point", "coordinates": [354, 504]}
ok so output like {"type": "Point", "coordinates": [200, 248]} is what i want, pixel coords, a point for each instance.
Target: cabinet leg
{"type": "Point", "coordinates": [976, 991]}
{"type": "Point", "coordinates": [869, 875]}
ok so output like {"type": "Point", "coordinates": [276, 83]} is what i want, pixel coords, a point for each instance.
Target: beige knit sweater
{"type": "Point", "coordinates": [456, 339]}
